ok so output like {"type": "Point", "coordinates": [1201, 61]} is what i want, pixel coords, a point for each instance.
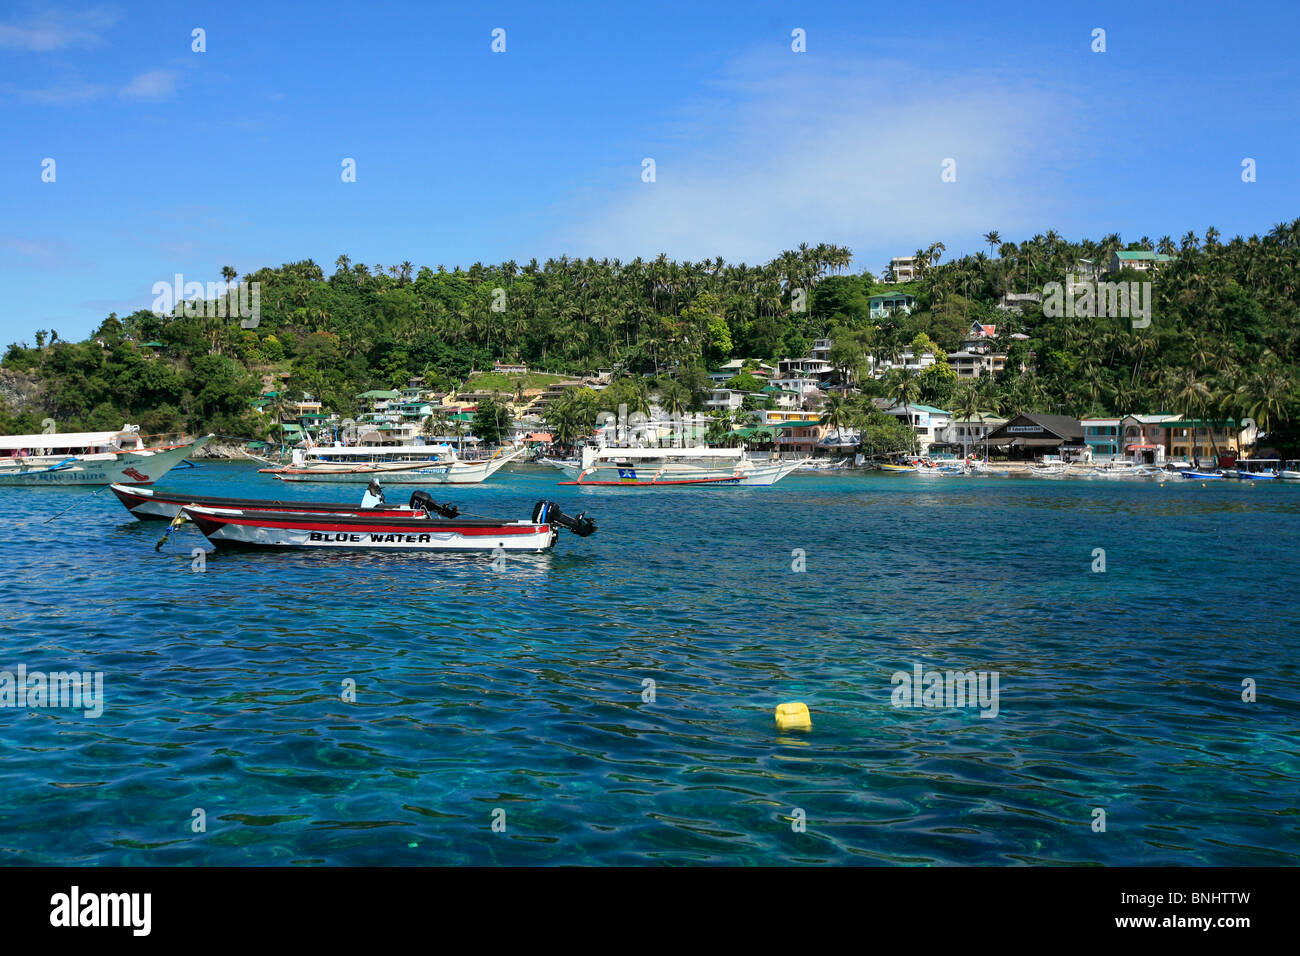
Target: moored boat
{"type": "Point", "coordinates": [435, 528]}
{"type": "Point", "coordinates": [89, 458]}
{"type": "Point", "coordinates": [656, 467]}
{"type": "Point", "coordinates": [148, 504]}
{"type": "Point", "coordinates": [426, 464]}
{"type": "Point", "coordinates": [1258, 469]}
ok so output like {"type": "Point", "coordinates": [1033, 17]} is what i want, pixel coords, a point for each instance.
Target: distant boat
{"type": "Point", "coordinates": [1051, 469]}
{"type": "Point", "coordinates": [1203, 475]}
{"type": "Point", "coordinates": [88, 458]}
{"type": "Point", "coordinates": [408, 464]}
{"type": "Point", "coordinates": [1258, 469]}
{"type": "Point", "coordinates": [1291, 472]}
{"type": "Point", "coordinates": [681, 467]}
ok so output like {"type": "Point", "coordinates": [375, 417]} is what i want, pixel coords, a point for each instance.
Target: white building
{"type": "Point", "coordinates": [724, 399]}
{"type": "Point", "coordinates": [797, 383]}
{"type": "Point", "coordinates": [930, 424]}
{"type": "Point", "coordinates": [969, 432]}
{"type": "Point", "coordinates": [817, 368]}
{"type": "Point", "coordinates": [902, 268]}
{"type": "Point", "coordinates": [908, 360]}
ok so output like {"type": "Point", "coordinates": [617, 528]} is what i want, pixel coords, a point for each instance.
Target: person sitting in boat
{"type": "Point", "coordinates": [374, 496]}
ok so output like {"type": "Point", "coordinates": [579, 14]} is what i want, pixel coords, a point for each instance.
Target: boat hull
{"type": "Point", "coordinates": [149, 505]}
{"type": "Point", "coordinates": [685, 476]}
{"type": "Point", "coordinates": [124, 468]}
{"type": "Point", "coordinates": [235, 528]}
{"type": "Point", "coordinates": [435, 473]}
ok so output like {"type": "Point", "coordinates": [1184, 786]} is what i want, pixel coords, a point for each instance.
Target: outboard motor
{"type": "Point", "coordinates": [423, 501]}
{"type": "Point", "coordinates": [548, 512]}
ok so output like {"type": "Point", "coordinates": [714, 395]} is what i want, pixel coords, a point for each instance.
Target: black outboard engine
{"type": "Point", "coordinates": [548, 512]}
{"type": "Point", "coordinates": [423, 501]}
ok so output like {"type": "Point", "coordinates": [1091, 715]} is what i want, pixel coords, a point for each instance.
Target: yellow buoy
{"type": "Point", "coordinates": [793, 716]}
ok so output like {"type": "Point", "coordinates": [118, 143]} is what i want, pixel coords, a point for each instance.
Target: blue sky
{"type": "Point", "coordinates": [168, 161]}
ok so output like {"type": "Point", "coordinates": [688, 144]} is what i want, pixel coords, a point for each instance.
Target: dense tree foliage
{"type": "Point", "coordinates": [1222, 340]}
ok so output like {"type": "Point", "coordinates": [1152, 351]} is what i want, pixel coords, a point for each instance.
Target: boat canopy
{"type": "Point", "coordinates": [611, 452]}
{"type": "Point", "coordinates": [64, 440]}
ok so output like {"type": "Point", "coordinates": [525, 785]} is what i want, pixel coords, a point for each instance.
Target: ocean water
{"type": "Point", "coordinates": [519, 697]}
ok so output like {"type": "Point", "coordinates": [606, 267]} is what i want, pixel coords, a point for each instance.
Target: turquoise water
{"type": "Point", "coordinates": [521, 690]}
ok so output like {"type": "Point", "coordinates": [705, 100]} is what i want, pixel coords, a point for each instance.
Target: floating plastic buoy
{"type": "Point", "coordinates": [793, 716]}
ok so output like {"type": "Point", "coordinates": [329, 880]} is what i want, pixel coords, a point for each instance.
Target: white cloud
{"type": "Point", "coordinates": [60, 94]}
{"type": "Point", "coordinates": [850, 155]}
{"type": "Point", "coordinates": [154, 85]}
{"type": "Point", "coordinates": [57, 30]}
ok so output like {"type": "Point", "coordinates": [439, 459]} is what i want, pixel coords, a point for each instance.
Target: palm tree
{"type": "Point", "coordinates": [1192, 397]}
{"type": "Point", "coordinates": [904, 390]}
{"type": "Point", "coordinates": [966, 405]}
{"type": "Point", "coordinates": [835, 413]}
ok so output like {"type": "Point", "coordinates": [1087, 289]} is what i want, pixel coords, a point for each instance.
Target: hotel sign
{"type": "Point", "coordinates": [1024, 430]}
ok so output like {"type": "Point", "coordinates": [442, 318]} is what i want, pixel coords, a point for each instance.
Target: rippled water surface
{"type": "Point", "coordinates": [522, 690]}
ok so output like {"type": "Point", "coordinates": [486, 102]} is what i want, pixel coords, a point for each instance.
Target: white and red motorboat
{"type": "Point", "coordinates": [434, 528]}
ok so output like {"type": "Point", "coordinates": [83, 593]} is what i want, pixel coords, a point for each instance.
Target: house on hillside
{"type": "Point", "coordinates": [1140, 259]}
{"type": "Point", "coordinates": [891, 303]}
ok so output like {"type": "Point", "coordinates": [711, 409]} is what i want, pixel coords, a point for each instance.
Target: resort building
{"type": "Point", "coordinates": [1144, 437]}
{"type": "Point", "coordinates": [902, 269]}
{"type": "Point", "coordinates": [724, 399]}
{"type": "Point", "coordinates": [799, 384]}
{"type": "Point", "coordinates": [1198, 440]}
{"type": "Point", "coordinates": [974, 364]}
{"type": "Point", "coordinates": [814, 368]}
{"type": "Point", "coordinates": [1103, 436]}
{"type": "Point", "coordinates": [822, 350]}
{"type": "Point", "coordinates": [970, 432]}
{"type": "Point", "coordinates": [907, 359]}
{"type": "Point", "coordinates": [781, 397]}
{"type": "Point", "coordinates": [890, 303]}
{"type": "Point", "coordinates": [1031, 434]}
{"type": "Point", "coordinates": [310, 405]}
{"type": "Point", "coordinates": [799, 436]}
{"type": "Point", "coordinates": [510, 368]}
{"type": "Point", "coordinates": [930, 423]}
{"type": "Point", "coordinates": [1141, 260]}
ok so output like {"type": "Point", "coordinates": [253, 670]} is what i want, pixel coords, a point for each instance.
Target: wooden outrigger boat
{"type": "Point", "coordinates": [424, 465]}
{"type": "Point", "coordinates": [88, 458]}
{"type": "Point", "coordinates": [660, 467]}
{"type": "Point", "coordinates": [433, 527]}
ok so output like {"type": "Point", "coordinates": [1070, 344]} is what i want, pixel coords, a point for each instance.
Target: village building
{"type": "Point", "coordinates": [1030, 435]}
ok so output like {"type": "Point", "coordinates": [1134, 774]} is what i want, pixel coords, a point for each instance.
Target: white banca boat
{"type": "Point", "coordinates": [430, 527]}
{"type": "Point", "coordinates": [423, 464]}
{"type": "Point", "coordinates": [89, 458]}
{"type": "Point", "coordinates": [656, 467]}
